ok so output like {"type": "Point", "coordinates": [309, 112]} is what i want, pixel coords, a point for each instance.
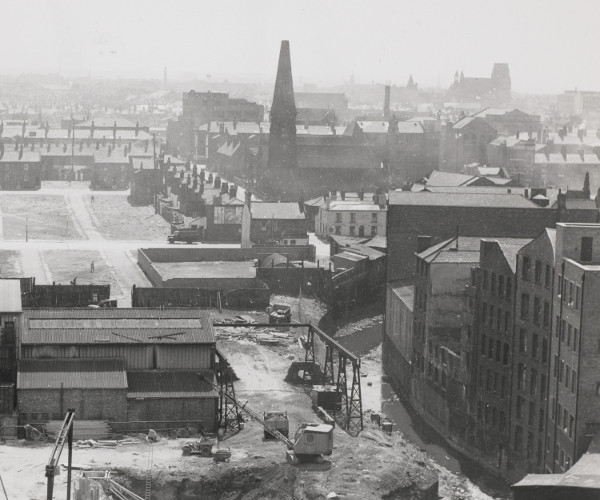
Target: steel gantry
{"type": "Point", "coordinates": [349, 408]}
{"type": "Point", "coordinates": [349, 403]}
{"type": "Point", "coordinates": [230, 417]}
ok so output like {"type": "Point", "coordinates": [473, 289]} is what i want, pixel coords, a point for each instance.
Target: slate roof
{"type": "Point", "coordinates": [439, 178]}
{"type": "Point", "coordinates": [107, 122]}
{"type": "Point", "coordinates": [571, 158]}
{"type": "Point", "coordinates": [446, 199]}
{"type": "Point", "coordinates": [13, 156]}
{"type": "Point", "coordinates": [355, 206]}
{"type": "Point", "coordinates": [468, 249]}
{"type": "Point", "coordinates": [381, 127]}
{"type": "Point", "coordinates": [287, 211]}
{"type": "Point", "coordinates": [88, 373]}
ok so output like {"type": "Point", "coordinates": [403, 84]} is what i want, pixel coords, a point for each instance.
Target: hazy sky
{"type": "Point", "coordinates": [550, 45]}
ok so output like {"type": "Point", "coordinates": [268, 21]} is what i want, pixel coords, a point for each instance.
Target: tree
{"type": "Point", "coordinates": [586, 185]}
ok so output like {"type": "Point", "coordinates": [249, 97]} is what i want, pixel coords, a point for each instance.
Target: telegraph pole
{"type": "Point", "coordinates": [72, 145]}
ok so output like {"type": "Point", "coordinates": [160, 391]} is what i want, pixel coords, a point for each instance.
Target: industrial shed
{"type": "Point", "coordinates": [95, 388]}
{"type": "Point", "coordinates": [118, 365]}
{"type": "Point", "coordinates": [163, 396]}
{"type": "Point", "coordinates": [147, 339]}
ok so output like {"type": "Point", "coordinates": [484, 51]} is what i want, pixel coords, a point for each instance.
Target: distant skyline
{"type": "Point", "coordinates": [550, 46]}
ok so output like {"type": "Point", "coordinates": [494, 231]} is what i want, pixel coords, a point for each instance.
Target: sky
{"type": "Point", "coordinates": [550, 45]}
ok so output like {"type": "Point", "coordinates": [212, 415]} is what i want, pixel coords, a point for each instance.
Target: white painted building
{"type": "Point", "coordinates": [352, 217]}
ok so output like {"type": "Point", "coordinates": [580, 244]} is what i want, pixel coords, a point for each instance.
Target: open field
{"type": "Point", "coordinates": [46, 217]}
{"type": "Point", "coordinates": [68, 264]}
{"type": "Point", "coordinates": [116, 219]}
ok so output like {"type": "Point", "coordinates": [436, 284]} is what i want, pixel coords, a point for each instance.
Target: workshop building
{"type": "Point", "coordinates": [106, 363]}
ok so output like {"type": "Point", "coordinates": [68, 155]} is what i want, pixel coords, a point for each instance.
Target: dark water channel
{"type": "Point", "coordinates": [361, 342]}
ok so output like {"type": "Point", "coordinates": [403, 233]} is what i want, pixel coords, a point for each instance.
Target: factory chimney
{"type": "Point", "coordinates": [386, 102]}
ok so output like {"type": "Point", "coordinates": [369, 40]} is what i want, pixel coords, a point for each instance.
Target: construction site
{"type": "Point", "coordinates": [295, 419]}
{"type": "Point", "coordinates": [184, 393]}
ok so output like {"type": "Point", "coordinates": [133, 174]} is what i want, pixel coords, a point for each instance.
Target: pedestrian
{"type": "Point", "coordinates": [92, 267]}
{"type": "Point", "coordinates": [92, 200]}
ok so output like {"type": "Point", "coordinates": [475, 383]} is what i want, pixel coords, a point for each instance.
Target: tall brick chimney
{"type": "Point", "coordinates": [386, 102]}
{"type": "Point", "coordinates": [282, 138]}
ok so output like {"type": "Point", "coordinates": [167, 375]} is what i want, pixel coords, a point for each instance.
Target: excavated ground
{"type": "Point", "coordinates": [372, 465]}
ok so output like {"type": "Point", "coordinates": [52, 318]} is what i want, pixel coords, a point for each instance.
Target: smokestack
{"type": "Point", "coordinates": [386, 102]}
{"type": "Point", "coordinates": [248, 198]}
{"type": "Point", "coordinates": [224, 187]}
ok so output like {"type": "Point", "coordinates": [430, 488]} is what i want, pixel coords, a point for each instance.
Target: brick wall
{"type": "Point", "coordinates": [89, 404]}
{"type": "Point", "coordinates": [194, 410]}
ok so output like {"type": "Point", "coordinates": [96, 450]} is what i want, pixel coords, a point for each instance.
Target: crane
{"type": "Point", "coordinates": [65, 434]}
{"type": "Point", "coordinates": [310, 442]}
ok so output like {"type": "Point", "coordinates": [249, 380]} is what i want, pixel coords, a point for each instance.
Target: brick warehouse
{"type": "Point", "coordinates": [118, 365]}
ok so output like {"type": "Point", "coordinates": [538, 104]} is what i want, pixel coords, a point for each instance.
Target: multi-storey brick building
{"type": "Point", "coordinates": [574, 388]}
{"type": "Point", "coordinates": [489, 363]}
{"type": "Point", "coordinates": [530, 349]}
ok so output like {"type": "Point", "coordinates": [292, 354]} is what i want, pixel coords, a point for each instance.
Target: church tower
{"type": "Point", "coordinates": [282, 139]}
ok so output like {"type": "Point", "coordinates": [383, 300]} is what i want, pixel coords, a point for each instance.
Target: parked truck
{"type": "Point", "coordinates": [188, 235]}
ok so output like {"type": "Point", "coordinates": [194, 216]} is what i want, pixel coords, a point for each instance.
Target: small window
{"type": "Point", "coordinates": [538, 271]}
{"type": "Point", "coordinates": [586, 248]}
{"type": "Point", "coordinates": [526, 267]}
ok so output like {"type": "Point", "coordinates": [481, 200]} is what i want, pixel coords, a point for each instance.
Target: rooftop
{"type": "Point", "coordinates": [440, 178]}
{"type": "Point", "coordinates": [88, 373]}
{"type": "Point", "coordinates": [467, 250]}
{"type": "Point", "coordinates": [405, 291]}
{"type": "Point", "coordinates": [170, 384]}
{"type": "Point", "coordinates": [356, 206]}
{"type": "Point", "coordinates": [287, 211]}
{"type": "Point", "coordinates": [116, 326]}
{"type": "Point", "coordinates": [26, 157]}
{"type": "Point", "coordinates": [205, 270]}
{"type": "Point", "coordinates": [425, 198]}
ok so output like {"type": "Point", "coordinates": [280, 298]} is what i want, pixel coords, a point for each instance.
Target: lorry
{"type": "Point", "coordinates": [188, 235]}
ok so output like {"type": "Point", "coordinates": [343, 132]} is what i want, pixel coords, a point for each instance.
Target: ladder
{"type": "Point", "coordinates": [148, 494]}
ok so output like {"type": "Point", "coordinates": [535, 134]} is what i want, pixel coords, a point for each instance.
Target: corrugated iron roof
{"type": "Point", "coordinates": [92, 373]}
{"type": "Point", "coordinates": [117, 326]}
{"type": "Point", "coordinates": [10, 296]}
{"type": "Point", "coordinates": [169, 384]}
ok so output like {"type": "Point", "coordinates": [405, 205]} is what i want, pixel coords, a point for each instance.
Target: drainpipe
{"type": "Point", "coordinates": [560, 334]}
{"type": "Point", "coordinates": [548, 374]}
{"type": "Point", "coordinates": [578, 366]}
{"type": "Point", "coordinates": [512, 362]}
